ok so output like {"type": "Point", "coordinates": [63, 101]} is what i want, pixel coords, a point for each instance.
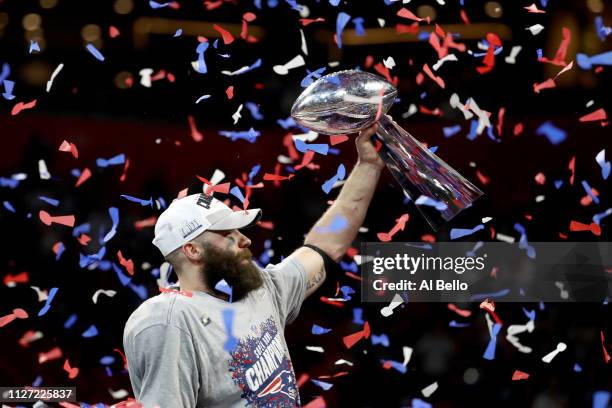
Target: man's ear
{"type": "Point", "coordinates": [193, 252]}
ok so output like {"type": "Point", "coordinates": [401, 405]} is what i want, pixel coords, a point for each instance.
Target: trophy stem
{"type": "Point", "coordinates": [438, 191]}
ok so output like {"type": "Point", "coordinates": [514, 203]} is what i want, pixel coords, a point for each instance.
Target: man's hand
{"type": "Point", "coordinates": [365, 149]}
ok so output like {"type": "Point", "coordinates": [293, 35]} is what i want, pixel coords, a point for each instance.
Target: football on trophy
{"type": "Point", "coordinates": [343, 102]}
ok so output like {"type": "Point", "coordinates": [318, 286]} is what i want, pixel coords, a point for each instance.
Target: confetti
{"type": "Point", "coordinates": [489, 353]}
{"type": "Point", "coordinates": [549, 357]}
{"type": "Point", "coordinates": [17, 314]}
{"type": "Point", "coordinates": [519, 375]}
{"type": "Point", "coordinates": [329, 184]}
{"type": "Point", "coordinates": [429, 390]}
{"type": "Point", "coordinates": [341, 22]}
{"type": "Point", "coordinates": [200, 65]}
{"type": "Point", "coordinates": [94, 51]}
{"type": "Point", "coordinates": [47, 305]}
{"type": "Point", "coordinates": [318, 330]}
{"type": "Point", "coordinates": [8, 90]}
{"type": "Point", "coordinates": [91, 331]}
{"type": "Point", "coordinates": [227, 37]}
{"type": "Point", "coordinates": [113, 161]}
{"type": "Point", "coordinates": [228, 319]}
{"type": "Point", "coordinates": [352, 339]}
{"type": "Point", "coordinates": [552, 133]}
{"type": "Point", "coordinates": [20, 106]}
{"type": "Point", "coordinates": [47, 219]}
{"type": "Point", "coordinates": [69, 147]}
{"type": "Point", "coordinates": [586, 62]}
{"type": "Point", "coordinates": [399, 226]}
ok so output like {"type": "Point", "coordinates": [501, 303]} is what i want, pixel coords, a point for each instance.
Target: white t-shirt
{"type": "Point", "coordinates": [177, 346]}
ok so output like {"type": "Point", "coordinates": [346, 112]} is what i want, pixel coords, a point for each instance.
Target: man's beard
{"type": "Point", "coordinates": [236, 269]}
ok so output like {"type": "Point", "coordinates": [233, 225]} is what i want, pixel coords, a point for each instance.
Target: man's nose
{"type": "Point", "coordinates": [243, 241]}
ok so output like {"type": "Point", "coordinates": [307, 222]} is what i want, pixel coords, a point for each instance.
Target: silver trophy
{"type": "Point", "coordinates": [350, 101]}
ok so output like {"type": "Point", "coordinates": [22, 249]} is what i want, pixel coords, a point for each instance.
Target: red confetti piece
{"type": "Point", "coordinates": [460, 312]}
{"type": "Point", "coordinates": [123, 357]}
{"type": "Point", "coordinates": [428, 238]}
{"type": "Point", "coordinates": [399, 226]}
{"type": "Point", "coordinates": [219, 188]}
{"type": "Point", "coordinates": [437, 79]}
{"type": "Point", "coordinates": [519, 375]}
{"type": "Point", "coordinates": [603, 345]}
{"type": "Point", "coordinates": [489, 59]}
{"type": "Point", "coordinates": [303, 379]}
{"type": "Point", "coordinates": [599, 114]}
{"type": "Point", "coordinates": [352, 339]}
{"type": "Point", "coordinates": [230, 92]}
{"type": "Point", "coordinates": [500, 120]}
{"type": "Point", "coordinates": [489, 307]}
{"type": "Point", "coordinates": [276, 177]}
{"type": "Point", "coordinates": [405, 13]}
{"type": "Point", "coordinates": [85, 174]}
{"type": "Point", "coordinates": [72, 371]}
{"type": "Point", "coordinates": [84, 239]}
{"type": "Point", "coordinates": [549, 83]}
{"type": "Point", "coordinates": [17, 314]}
{"type": "Point", "coordinates": [483, 179]}
{"type": "Point", "coordinates": [587, 200]}
{"type": "Point", "coordinates": [384, 71]}
{"type": "Point", "coordinates": [518, 129]}
{"type": "Point", "coordinates": [540, 178]}
{"type": "Point", "coordinates": [559, 58]}
{"type": "Point", "coordinates": [147, 222]}
{"type": "Point", "coordinates": [534, 9]}
{"type": "Point", "coordinates": [464, 17]}
{"type": "Point", "coordinates": [125, 168]}
{"type": "Point", "coordinates": [52, 354]}
{"type": "Point", "coordinates": [11, 280]}
{"type": "Point", "coordinates": [69, 147]}
{"type": "Point", "coordinates": [195, 134]}
{"type": "Point", "coordinates": [307, 21]}
{"type": "Point", "coordinates": [576, 226]}
{"type": "Point", "coordinates": [331, 302]}
{"type": "Point", "coordinates": [227, 37]}
{"type": "Point", "coordinates": [269, 225]}
{"type": "Point", "coordinates": [19, 106]}
{"type": "Point", "coordinates": [337, 139]}
{"type": "Point", "coordinates": [291, 150]}
{"type": "Point", "coordinates": [176, 292]}
{"type": "Point", "coordinates": [47, 219]}
{"type": "Point", "coordinates": [318, 402]}
{"type": "Point", "coordinates": [113, 32]}
{"type": "Point", "coordinates": [572, 167]}
{"type": "Point", "coordinates": [407, 29]}
{"type": "Point", "coordinates": [128, 264]}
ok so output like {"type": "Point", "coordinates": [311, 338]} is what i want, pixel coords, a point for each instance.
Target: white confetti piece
{"type": "Point", "coordinates": [53, 75]}
{"type": "Point", "coordinates": [297, 61]}
{"type": "Point", "coordinates": [109, 293]}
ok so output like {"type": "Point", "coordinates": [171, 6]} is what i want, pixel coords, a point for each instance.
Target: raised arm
{"type": "Point", "coordinates": [352, 204]}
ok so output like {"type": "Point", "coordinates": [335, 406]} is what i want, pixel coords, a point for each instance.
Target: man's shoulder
{"type": "Point", "coordinates": [160, 310]}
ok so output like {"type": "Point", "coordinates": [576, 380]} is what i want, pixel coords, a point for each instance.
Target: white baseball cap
{"type": "Point", "coordinates": [188, 217]}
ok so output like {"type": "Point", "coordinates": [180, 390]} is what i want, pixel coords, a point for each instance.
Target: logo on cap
{"type": "Point", "coordinates": [190, 227]}
{"type": "Point", "coordinates": [204, 201]}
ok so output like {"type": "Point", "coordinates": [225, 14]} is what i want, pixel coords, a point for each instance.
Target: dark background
{"type": "Point", "coordinates": [91, 105]}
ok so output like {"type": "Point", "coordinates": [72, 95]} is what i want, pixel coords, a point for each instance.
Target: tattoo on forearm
{"type": "Point", "coordinates": [315, 280]}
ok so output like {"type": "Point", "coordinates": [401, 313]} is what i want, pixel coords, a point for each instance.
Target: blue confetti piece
{"type": "Point", "coordinates": [6, 71]}
{"type": "Point", "coordinates": [286, 123]}
{"type": "Point", "coordinates": [544, 3]}
{"type": "Point", "coordinates": [309, 79]}
{"type": "Point", "coordinates": [250, 135]}
{"type": "Point", "coordinates": [577, 368]}
{"type": "Point", "coordinates": [334, 2]}
{"type": "Point", "coordinates": [341, 22]}
{"type": "Point", "coordinates": [60, 250]}
{"type": "Point", "coordinates": [558, 184]}
{"type": "Point", "coordinates": [601, 399]}
{"type": "Point", "coordinates": [140, 201]}
{"type": "Point", "coordinates": [107, 360]}
{"type": "Point", "coordinates": [303, 147]}
{"type": "Point", "coordinates": [322, 384]}
{"type": "Point", "coordinates": [453, 323]}
{"type": "Point", "coordinates": [329, 184]}
{"type": "Point", "coordinates": [598, 217]}
{"type": "Point", "coordinates": [588, 190]}
{"type": "Point", "coordinates": [155, 5]}
{"type": "Point", "coordinates": [349, 266]}
{"type": "Point", "coordinates": [347, 292]}
{"type": "Point", "coordinates": [200, 66]}
{"type": "Point", "coordinates": [72, 319]}
{"type": "Point", "coordinates": [113, 212]}
{"type": "Point", "coordinates": [235, 191]}
{"type": "Point", "coordinates": [489, 353]}
{"type": "Point", "coordinates": [50, 201]}
{"type": "Point", "coordinates": [228, 319]}
{"type": "Point", "coordinates": [383, 340]}
{"type": "Point", "coordinates": [523, 243]}
{"type": "Point", "coordinates": [8, 90]}
{"type": "Point", "coordinates": [215, 43]}
{"type": "Point", "coordinates": [253, 173]}
{"type": "Point", "coordinates": [483, 296]}
{"type": "Point", "coordinates": [531, 314]}
{"type": "Point", "coordinates": [358, 316]}
{"type": "Point", "coordinates": [223, 287]}
{"type": "Point", "coordinates": [473, 134]}
{"type": "Point", "coordinates": [462, 232]}
{"type": "Point", "coordinates": [450, 131]}
{"type": "Point", "coordinates": [318, 330]}
{"type": "Point", "coordinates": [47, 305]}
{"type": "Point", "coordinates": [178, 33]}
{"type": "Point", "coordinates": [86, 260]}
{"type": "Point", "coordinates": [430, 202]}
{"type": "Point", "coordinates": [92, 331]}
{"type": "Point", "coordinates": [552, 133]}
{"type": "Point", "coordinates": [586, 62]}
{"type": "Point", "coordinates": [601, 30]}
{"type": "Point", "coordinates": [254, 110]}
{"type": "Point", "coordinates": [7, 182]}
{"type": "Point", "coordinates": [113, 161]}
{"type": "Point", "coordinates": [94, 51]}
{"type": "Point", "coordinates": [539, 53]}
{"type": "Point", "coordinates": [359, 30]}
{"type": "Point", "coordinates": [605, 165]}
{"type": "Point", "coordinates": [37, 381]}
{"type": "Point", "coordinates": [416, 402]}
{"type": "Point", "coordinates": [423, 36]}
{"type": "Point", "coordinates": [9, 206]}
{"type": "Point", "coordinates": [140, 290]}
{"type": "Point", "coordinates": [34, 47]}
{"type": "Point", "coordinates": [84, 228]}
